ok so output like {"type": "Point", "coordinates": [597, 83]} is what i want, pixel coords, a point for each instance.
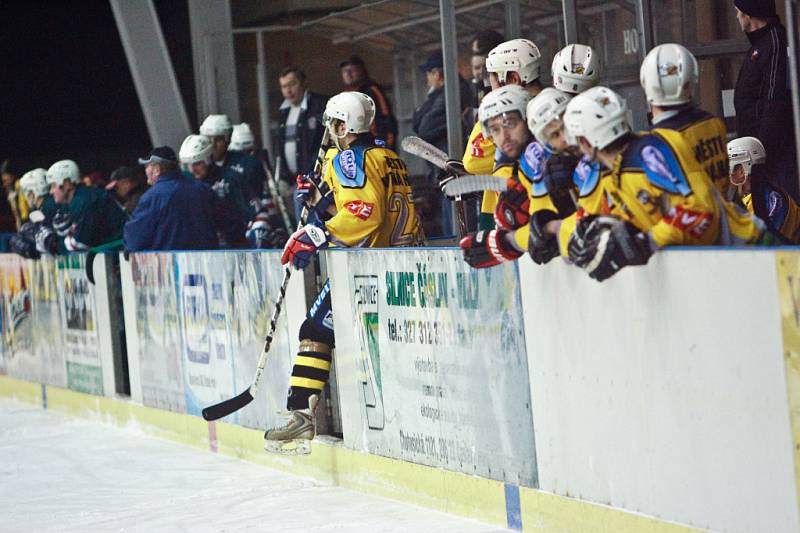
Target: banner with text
{"type": "Point", "coordinates": [431, 361]}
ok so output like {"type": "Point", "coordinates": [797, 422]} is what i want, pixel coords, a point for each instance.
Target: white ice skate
{"type": "Point", "coordinates": [294, 437]}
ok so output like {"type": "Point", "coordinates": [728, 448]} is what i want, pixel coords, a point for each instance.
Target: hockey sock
{"type": "Point", "coordinates": [310, 373]}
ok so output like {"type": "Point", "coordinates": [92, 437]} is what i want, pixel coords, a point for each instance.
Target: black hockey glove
{"type": "Point", "coordinates": [558, 179]}
{"type": "Point", "coordinates": [602, 245]}
{"type": "Point", "coordinates": [453, 168]}
{"type": "Point", "coordinates": [542, 247]}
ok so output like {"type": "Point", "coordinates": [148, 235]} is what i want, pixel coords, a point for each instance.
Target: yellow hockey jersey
{"type": "Point", "coordinates": [706, 135]}
{"type": "Point", "coordinates": [659, 187]}
{"type": "Point", "coordinates": [374, 208]}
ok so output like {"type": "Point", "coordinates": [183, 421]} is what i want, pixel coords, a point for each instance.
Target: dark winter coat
{"type": "Point", "coordinates": [174, 214]}
{"type": "Point", "coordinates": [762, 101]}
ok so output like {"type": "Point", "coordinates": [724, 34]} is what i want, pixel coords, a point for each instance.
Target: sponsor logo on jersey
{"type": "Point", "coordinates": [475, 147]}
{"type": "Point", "coordinates": [362, 210]}
{"type": "Point", "coordinates": [688, 221]}
{"type": "Point", "coordinates": [237, 168]}
{"type": "Point", "coordinates": [347, 160]}
{"type": "Point", "coordinates": [534, 157]}
{"type": "Point", "coordinates": [657, 163]}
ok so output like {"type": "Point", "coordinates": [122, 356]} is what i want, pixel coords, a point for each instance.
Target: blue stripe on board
{"type": "Point", "coordinates": [513, 512]}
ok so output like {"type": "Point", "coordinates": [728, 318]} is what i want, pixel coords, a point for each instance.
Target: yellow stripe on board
{"type": "Point", "coordinates": [435, 488]}
{"type": "Point", "coordinates": [788, 265]}
{"type": "Point", "coordinates": [313, 362]}
{"type": "Point", "coordinates": [307, 383]}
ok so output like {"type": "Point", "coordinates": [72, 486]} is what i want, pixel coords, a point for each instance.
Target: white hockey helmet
{"type": "Point", "coordinates": [242, 138]}
{"type": "Point", "coordinates": [63, 170]}
{"type": "Point", "coordinates": [356, 110]}
{"type": "Point", "coordinates": [35, 181]}
{"type": "Point", "coordinates": [746, 151]}
{"type": "Point", "coordinates": [575, 68]}
{"type": "Point", "coordinates": [600, 115]}
{"type": "Point", "coordinates": [669, 75]}
{"type": "Point", "coordinates": [195, 148]}
{"type": "Point", "coordinates": [501, 101]}
{"type": "Point", "coordinates": [517, 55]}
{"type": "Point", "coordinates": [217, 125]}
{"type": "Point", "coordinates": [547, 106]}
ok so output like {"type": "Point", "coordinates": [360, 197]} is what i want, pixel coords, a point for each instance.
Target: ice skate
{"type": "Point", "coordinates": [294, 437]}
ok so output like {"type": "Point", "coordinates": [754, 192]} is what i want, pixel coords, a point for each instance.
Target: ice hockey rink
{"type": "Point", "coordinates": [62, 474]}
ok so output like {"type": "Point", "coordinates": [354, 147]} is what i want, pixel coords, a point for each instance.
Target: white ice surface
{"type": "Point", "coordinates": [63, 474]}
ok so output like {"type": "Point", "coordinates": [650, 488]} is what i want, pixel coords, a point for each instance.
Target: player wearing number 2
{"type": "Point", "coordinates": [367, 184]}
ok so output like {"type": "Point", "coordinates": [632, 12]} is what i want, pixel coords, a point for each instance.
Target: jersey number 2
{"type": "Point", "coordinates": [398, 203]}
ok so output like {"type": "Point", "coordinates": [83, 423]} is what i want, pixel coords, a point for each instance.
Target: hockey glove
{"type": "Point", "coordinates": [303, 245]}
{"type": "Point", "coordinates": [603, 245]}
{"type": "Point", "coordinates": [512, 207]}
{"type": "Point", "coordinates": [24, 242]}
{"type": "Point", "coordinates": [486, 249]}
{"type": "Point", "coordinates": [453, 168]}
{"type": "Point", "coordinates": [558, 180]}
{"type": "Point", "coordinates": [46, 240]}
{"type": "Point", "coordinates": [263, 235]}
{"type": "Point", "coordinates": [62, 224]}
{"type": "Point", "coordinates": [304, 194]}
{"type": "Point", "coordinates": [542, 246]}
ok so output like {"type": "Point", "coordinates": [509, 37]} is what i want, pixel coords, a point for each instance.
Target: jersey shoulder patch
{"type": "Point", "coordinates": [349, 167]}
{"type": "Point", "coordinates": [657, 159]}
{"type": "Point", "coordinates": [532, 164]}
{"type": "Point", "coordinates": [586, 176]}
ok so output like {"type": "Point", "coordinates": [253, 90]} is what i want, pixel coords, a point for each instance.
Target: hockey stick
{"type": "Point", "coordinates": [224, 408]}
{"type": "Point", "coordinates": [474, 183]}
{"type": "Point", "coordinates": [431, 154]}
{"type": "Point", "coordinates": [272, 185]}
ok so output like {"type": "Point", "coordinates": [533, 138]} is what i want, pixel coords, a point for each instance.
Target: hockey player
{"type": "Point", "coordinates": [657, 192]}
{"type": "Point", "coordinates": [747, 158]}
{"type": "Point", "coordinates": [245, 167]}
{"type": "Point", "coordinates": [514, 62]}
{"type": "Point", "coordinates": [242, 139]}
{"type": "Point", "coordinates": [502, 116]}
{"type": "Point", "coordinates": [368, 185]}
{"type": "Point", "coordinates": [669, 75]}
{"type": "Point", "coordinates": [36, 191]}
{"type": "Point", "coordinates": [88, 217]}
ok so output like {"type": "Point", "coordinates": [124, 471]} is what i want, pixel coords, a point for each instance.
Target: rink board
{"type": "Point", "coordinates": [663, 389]}
{"type": "Point", "coordinates": [483, 499]}
{"type": "Point", "coordinates": [430, 360]}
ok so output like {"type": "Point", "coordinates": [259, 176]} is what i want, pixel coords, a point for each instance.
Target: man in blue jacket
{"type": "Point", "coordinates": [175, 213]}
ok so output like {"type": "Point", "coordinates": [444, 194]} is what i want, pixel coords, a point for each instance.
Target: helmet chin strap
{"type": "Point", "coordinates": [337, 139]}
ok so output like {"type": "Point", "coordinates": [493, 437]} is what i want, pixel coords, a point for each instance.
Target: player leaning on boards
{"type": "Point", "coordinates": [561, 174]}
{"type": "Point", "coordinates": [502, 120]}
{"type": "Point", "coordinates": [656, 191]}
{"type": "Point", "coordinates": [756, 190]}
{"type": "Point", "coordinates": [36, 191]}
{"type": "Point", "coordinates": [514, 62]}
{"type": "Point", "coordinates": [368, 185]}
{"type": "Point", "coordinates": [669, 76]}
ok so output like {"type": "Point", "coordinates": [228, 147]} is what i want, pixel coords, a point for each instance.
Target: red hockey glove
{"type": "Point", "coordinates": [486, 249]}
{"type": "Point", "coordinates": [512, 207]}
{"type": "Point", "coordinates": [303, 245]}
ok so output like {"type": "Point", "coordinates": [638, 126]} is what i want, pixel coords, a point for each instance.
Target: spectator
{"type": "Point", "coordinates": [356, 78]}
{"type": "Point", "coordinates": [87, 217]}
{"type": "Point", "coordinates": [481, 45]}
{"type": "Point", "coordinates": [10, 177]}
{"type": "Point", "coordinates": [300, 128]}
{"type": "Point", "coordinates": [95, 178]}
{"type": "Point", "coordinates": [762, 96]}
{"type": "Point", "coordinates": [127, 186]}
{"type": "Point", "coordinates": [430, 121]}
{"type": "Point", "coordinates": [175, 213]}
